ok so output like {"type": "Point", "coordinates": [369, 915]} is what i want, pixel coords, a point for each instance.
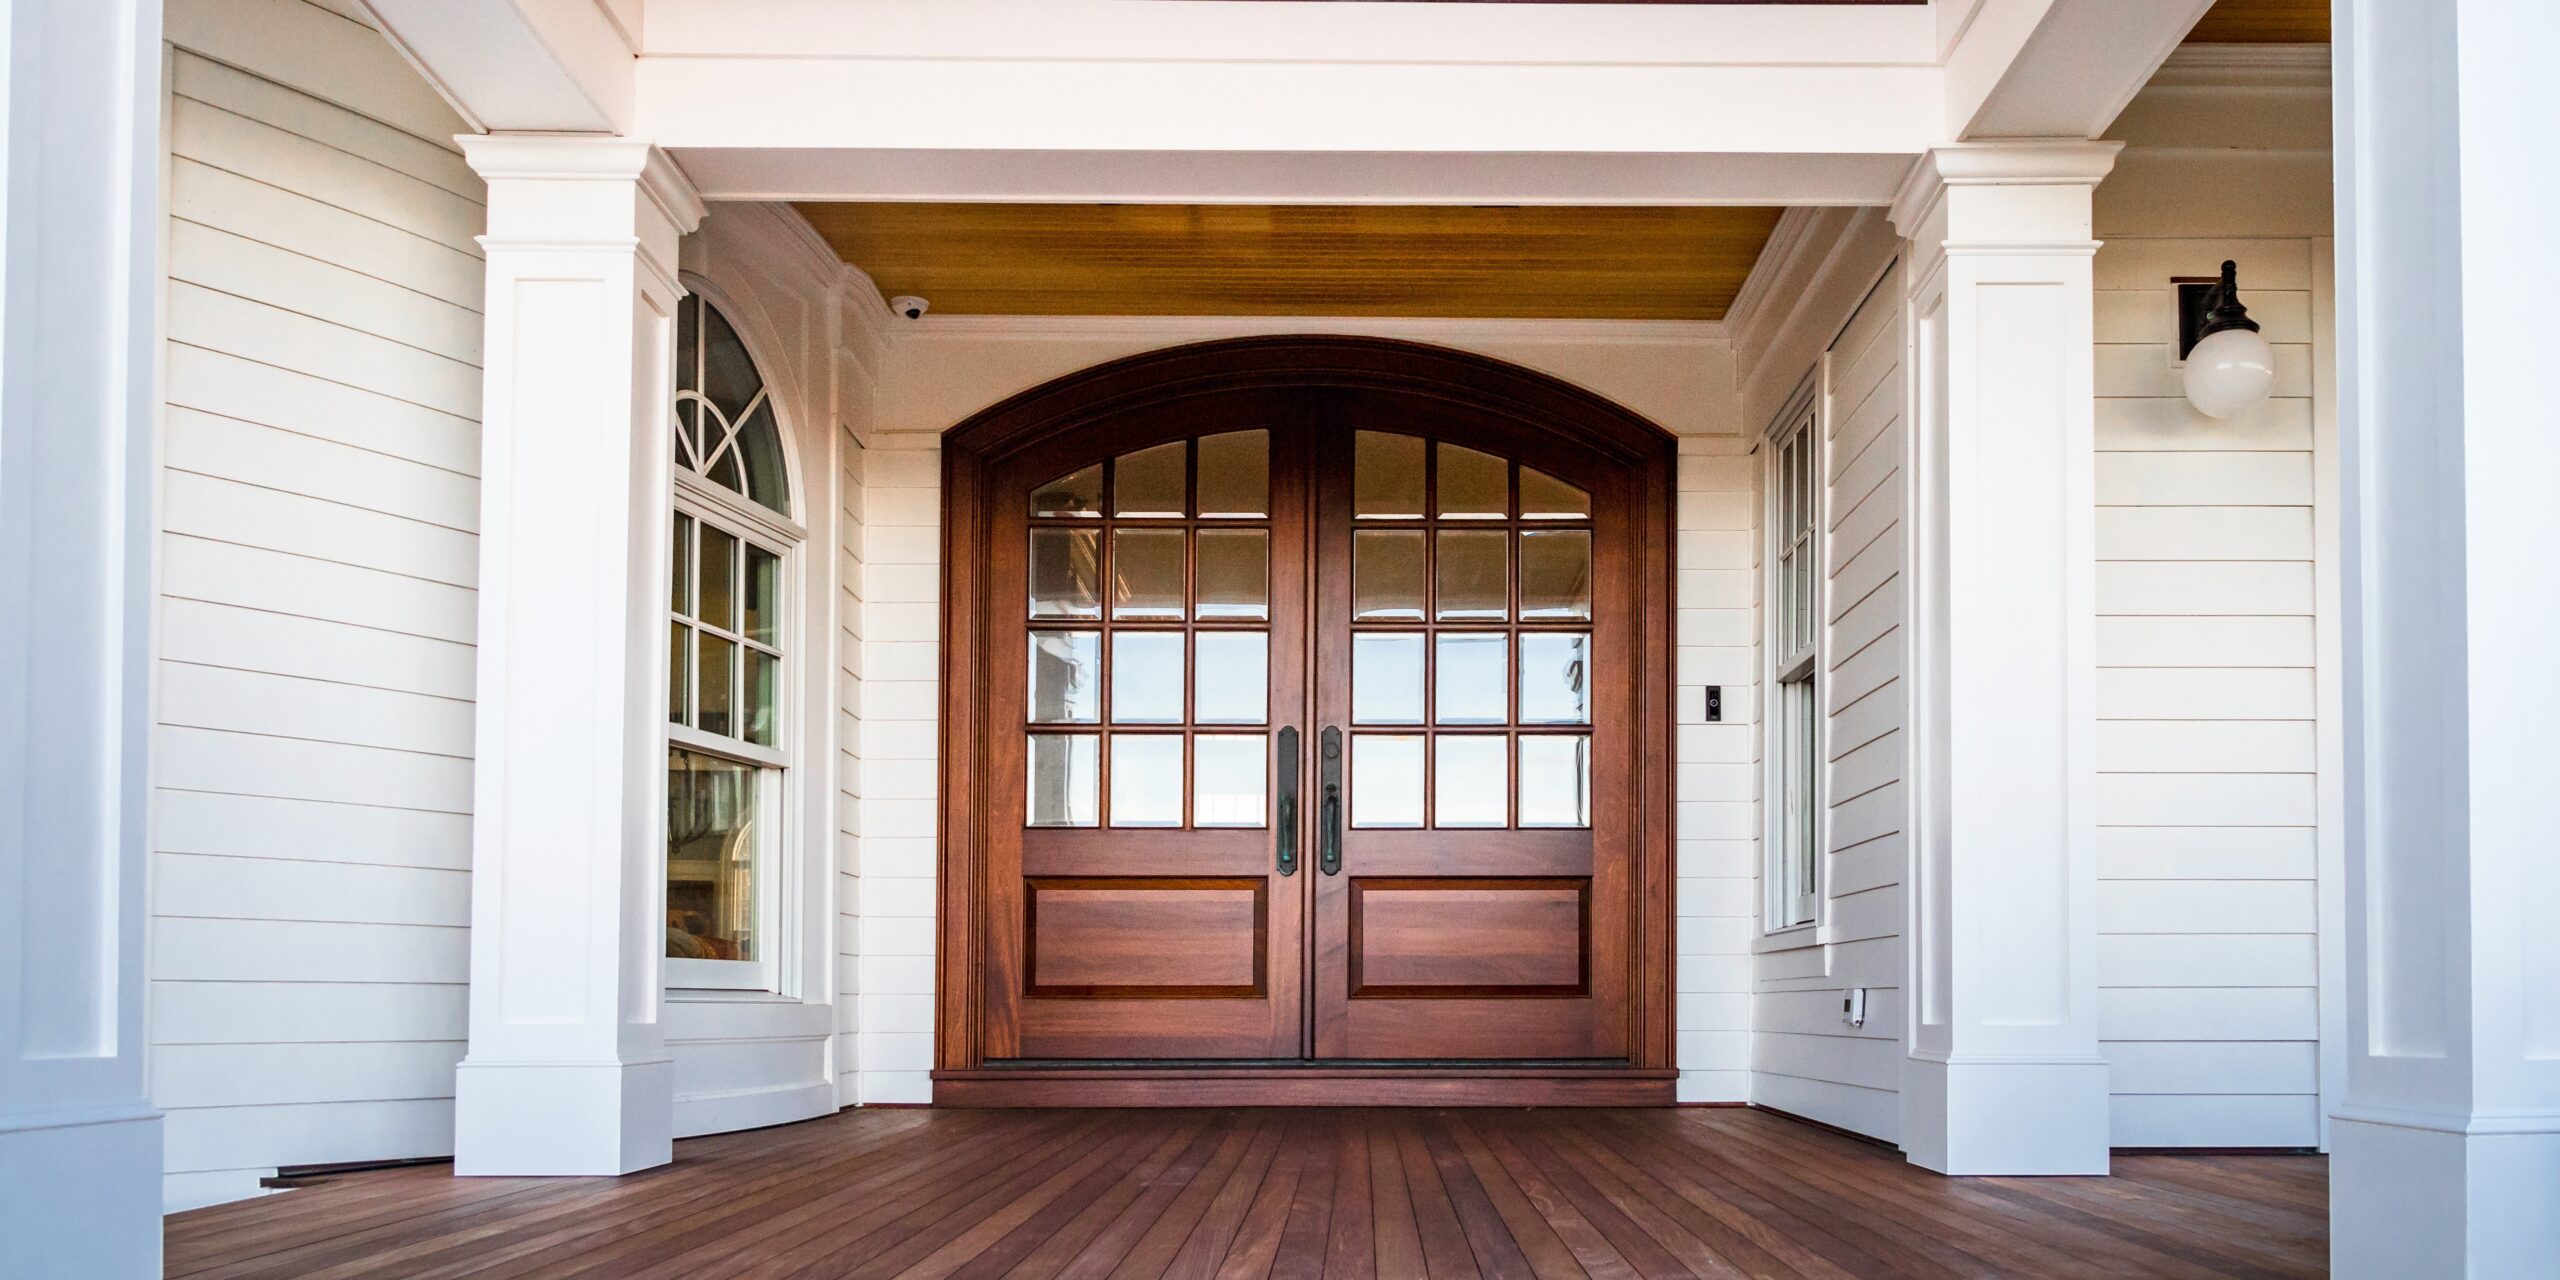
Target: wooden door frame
{"type": "Point", "coordinates": [1528, 400]}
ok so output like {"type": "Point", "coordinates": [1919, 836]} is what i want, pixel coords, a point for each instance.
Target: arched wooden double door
{"type": "Point", "coordinates": [1308, 719]}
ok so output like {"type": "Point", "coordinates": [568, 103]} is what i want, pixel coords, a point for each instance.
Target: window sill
{"type": "Point", "coordinates": [725, 995]}
{"type": "Point", "coordinates": [1794, 937]}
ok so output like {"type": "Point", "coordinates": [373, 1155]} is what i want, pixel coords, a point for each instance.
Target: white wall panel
{"type": "Point", "coordinates": [318, 510]}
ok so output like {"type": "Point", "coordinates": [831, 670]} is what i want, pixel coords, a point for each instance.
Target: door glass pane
{"type": "Point", "coordinates": [1066, 677]}
{"type": "Point", "coordinates": [1065, 568]}
{"type": "Point", "coordinates": [1555, 781]}
{"type": "Point", "coordinates": [712, 841]}
{"type": "Point", "coordinates": [1555, 678]}
{"type": "Point", "coordinates": [1543, 497]}
{"type": "Point", "coordinates": [1146, 677]}
{"type": "Point", "coordinates": [1471, 685]}
{"type": "Point", "coordinates": [679, 669]}
{"type": "Point", "coordinates": [680, 593]}
{"type": "Point", "coordinates": [1146, 573]}
{"type": "Point", "coordinates": [1386, 476]}
{"type": "Point", "coordinates": [1149, 483]}
{"type": "Point", "coordinates": [1471, 781]}
{"type": "Point", "coordinates": [763, 689]}
{"type": "Point", "coordinates": [1066, 780]}
{"type": "Point", "coordinates": [1235, 678]}
{"type": "Point", "coordinates": [1235, 475]}
{"type": "Point", "coordinates": [1235, 573]}
{"type": "Point", "coordinates": [1473, 486]}
{"type": "Point", "coordinates": [718, 568]}
{"type": "Point", "coordinates": [1078, 493]}
{"type": "Point", "coordinates": [1555, 574]}
{"type": "Point", "coordinates": [1386, 780]}
{"type": "Point", "coordinates": [763, 597]}
{"type": "Point", "coordinates": [1386, 575]}
{"type": "Point", "coordinates": [714, 695]}
{"type": "Point", "coordinates": [1226, 780]}
{"type": "Point", "coordinates": [1386, 678]}
{"type": "Point", "coordinates": [1474, 575]}
{"type": "Point", "coordinates": [1146, 780]}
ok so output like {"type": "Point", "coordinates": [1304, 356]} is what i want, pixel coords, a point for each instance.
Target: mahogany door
{"type": "Point", "coordinates": [1311, 718]}
{"type": "Point", "coordinates": [1144, 897]}
{"type": "Point", "coordinates": [1474, 655]}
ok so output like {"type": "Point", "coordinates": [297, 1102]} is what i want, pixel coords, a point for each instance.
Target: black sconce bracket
{"type": "Point", "coordinates": [2207, 306]}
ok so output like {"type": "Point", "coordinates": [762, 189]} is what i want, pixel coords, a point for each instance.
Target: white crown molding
{"type": "Point", "coordinates": [2038, 163]}
{"type": "Point", "coordinates": [1786, 242]}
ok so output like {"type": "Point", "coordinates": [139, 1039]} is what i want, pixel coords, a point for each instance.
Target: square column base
{"type": "Point", "coordinates": [562, 1119]}
{"type": "Point", "coordinates": [84, 1195]}
{"type": "Point", "coordinates": [2006, 1118]}
{"type": "Point", "coordinates": [2406, 1200]}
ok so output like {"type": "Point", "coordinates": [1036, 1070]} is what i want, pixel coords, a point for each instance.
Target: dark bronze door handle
{"type": "Point", "coordinates": [1329, 840]}
{"type": "Point", "coordinates": [1287, 821]}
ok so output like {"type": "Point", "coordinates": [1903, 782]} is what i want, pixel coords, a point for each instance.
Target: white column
{"type": "Point", "coordinates": [568, 1071]}
{"type": "Point", "coordinates": [2003, 1074]}
{"type": "Point", "coordinates": [79, 236]}
{"type": "Point", "coordinates": [2446, 1145]}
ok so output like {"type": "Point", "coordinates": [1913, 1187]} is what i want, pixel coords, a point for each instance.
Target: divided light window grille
{"type": "Point", "coordinates": [1794, 859]}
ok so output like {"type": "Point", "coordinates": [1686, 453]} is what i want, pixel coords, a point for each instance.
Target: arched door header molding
{"type": "Point", "coordinates": [1538, 402]}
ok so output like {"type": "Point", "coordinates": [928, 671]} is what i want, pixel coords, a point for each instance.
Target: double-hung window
{"type": "Point", "coordinates": [1794, 720]}
{"type": "Point", "coordinates": [728, 749]}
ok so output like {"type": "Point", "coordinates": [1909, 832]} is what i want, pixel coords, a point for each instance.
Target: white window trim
{"type": "Point", "coordinates": [778, 927]}
{"type": "Point", "coordinates": [1791, 911]}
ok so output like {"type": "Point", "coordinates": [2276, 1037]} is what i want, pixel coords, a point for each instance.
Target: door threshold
{"type": "Point", "coordinates": [1296, 1083]}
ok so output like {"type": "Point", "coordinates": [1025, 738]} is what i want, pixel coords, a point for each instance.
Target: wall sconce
{"type": "Point", "coordinates": [2230, 367]}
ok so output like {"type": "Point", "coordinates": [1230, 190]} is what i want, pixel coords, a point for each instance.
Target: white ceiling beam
{"type": "Point", "coordinates": [530, 66]}
{"type": "Point", "coordinates": [2057, 68]}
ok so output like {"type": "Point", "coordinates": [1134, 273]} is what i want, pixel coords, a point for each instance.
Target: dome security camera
{"type": "Point", "coordinates": [910, 306]}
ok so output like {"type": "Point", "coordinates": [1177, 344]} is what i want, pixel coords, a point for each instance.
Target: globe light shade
{"type": "Point", "coordinates": [2230, 372]}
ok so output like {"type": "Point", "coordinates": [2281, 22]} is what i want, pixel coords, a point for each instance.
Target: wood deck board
{"type": "Point", "coordinates": [1256, 1195]}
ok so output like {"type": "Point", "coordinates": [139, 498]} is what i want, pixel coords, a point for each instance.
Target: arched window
{"type": "Point", "coordinates": [725, 428]}
{"type": "Point", "coordinates": [729, 746]}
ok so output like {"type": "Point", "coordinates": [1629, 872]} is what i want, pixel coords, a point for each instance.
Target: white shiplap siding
{"type": "Point", "coordinates": [2208, 791]}
{"type": "Point", "coordinates": [898, 736]}
{"type": "Point", "coordinates": [1806, 1060]}
{"type": "Point", "coordinates": [310, 881]}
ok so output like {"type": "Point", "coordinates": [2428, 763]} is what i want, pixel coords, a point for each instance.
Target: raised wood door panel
{"type": "Point", "coordinates": [1150, 579]}
{"type": "Point", "coordinates": [1475, 664]}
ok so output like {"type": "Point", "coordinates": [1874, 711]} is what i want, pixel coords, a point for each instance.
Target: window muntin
{"type": "Point", "coordinates": [1150, 653]}
{"type": "Point", "coordinates": [1793, 866]}
{"type": "Point", "coordinates": [727, 679]}
{"type": "Point", "coordinates": [725, 429]}
{"type": "Point", "coordinates": [1471, 582]}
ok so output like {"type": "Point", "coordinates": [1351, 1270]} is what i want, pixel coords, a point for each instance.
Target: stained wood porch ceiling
{"type": "Point", "coordinates": [1354, 260]}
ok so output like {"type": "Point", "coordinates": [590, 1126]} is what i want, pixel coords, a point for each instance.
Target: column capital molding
{"type": "Point", "coordinates": [2027, 163]}
{"type": "Point", "coordinates": [564, 157]}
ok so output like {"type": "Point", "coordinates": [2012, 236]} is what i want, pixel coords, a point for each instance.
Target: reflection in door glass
{"type": "Point", "coordinates": [1146, 780]}
{"type": "Point", "coordinates": [1470, 781]}
{"type": "Point", "coordinates": [1075, 494]}
{"type": "Point", "coordinates": [1474, 575]}
{"type": "Point", "coordinates": [1146, 573]}
{"type": "Point", "coordinates": [1386, 575]}
{"type": "Point", "coordinates": [1146, 677]}
{"type": "Point", "coordinates": [1543, 497]}
{"type": "Point", "coordinates": [1473, 486]}
{"type": "Point", "coordinates": [1555, 574]}
{"type": "Point", "coordinates": [1065, 781]}
{"type": "Point", "coordinates": [1471, 685]}
{"type": "Point", "coordinates": [1235, 475]}
{"type": "Point", "coordinates": [1066, 566]}
{"type": "Point", "coordinates": [1226, 780]}
{"type": "Point", "coordinates": [1386, 476]}
{"type": "Point", "coordinates": [1066, 677]}
{"type": "Point", "coordinates": [1148, 484]}
{"type": "Point", "coordinates": [1386, 780]}
{"type": "Point", "coordinates": [1386, 677]}
{"type": "Point", "coordinates": [1555, 678]}
{"type": "Point", "coordinates": [1234, 684]}
{"type": "Point", "coordinates": [1555, 781]}
{"type": "Point", "coordinates": [1235, 574]}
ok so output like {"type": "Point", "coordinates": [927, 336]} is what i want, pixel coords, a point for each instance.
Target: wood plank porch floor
{"type": "Point", "coordinates": [1240, 1193]}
